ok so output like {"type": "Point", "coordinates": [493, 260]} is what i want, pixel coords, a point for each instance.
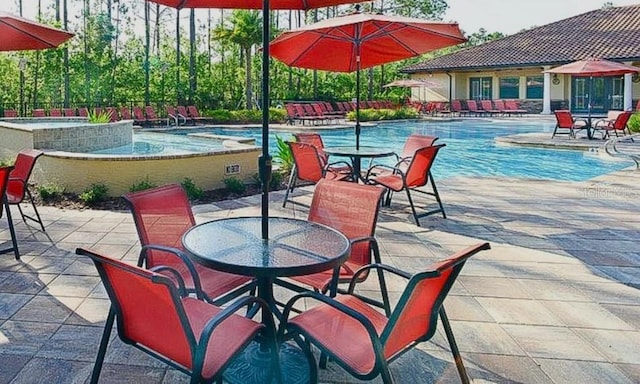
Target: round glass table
{"type": "Point", "coordinates": [295, 247]}
{"type": "Point", "coordinates": [356, 155]}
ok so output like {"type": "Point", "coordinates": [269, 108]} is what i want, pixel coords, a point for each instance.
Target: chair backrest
{"type": "Point", "coordinates": [83, 112]}
{"type": "Point", "coordinates": [314, 139]}
{"type": "Point", "coordinates": [417, 173]}
{"type": "Point", "coordinates": [564, 119]}
{"type": "Point", "coordinates": [25, 161]}
{"type": "Point", "coordinates": [414, 142]}
{"type": "Point", "coordinates": [456, 106]}
{"type": "Point", "coordinates": [471, 104]}
{"type": "Point", "coordinates": [309, 164]}
{"type": "Point", "coordinates": [151, 113]}
{"type": "Point", "coordinates": [499, 104]}
{"type": "Point", "coordinates": [125, 112]}
{"type": "Point", "coordinates": [171, 110]}
{"type": "Point", "coordinates": [415, 316]}
{"type": "Point", "coordinates": [4, 181]}
{"type": "Point", "coordinates": [138, 114]}
{"type": "Point", "coordinates": [193, 111]}
{"type": "Point", "coordinates": [512, 104]}
{"type": "Point", "coordinates": [182, 110]}
{"type": "Point", "coordinates": [38, 113]}
{"type": "Point", "coordinates": [149, 311]}
{"type": "Point", "coordinates": [55, 112]}
{"type": "Point", "coordinates": [486, 105]}
{"type": "Point", "coordinates": [10, 113]}
{"type": "Point", "coordinates": [161, 215]}
{"type": "Point", "coordinates": [621, 121]}
{"type": "Point", "coordinates": [350, 208]}
{"type": "Point", "coordinates": [69, 112]}
{"type": "Point", "coordinates": [113, 114]}
{"type": "Point", "coordinates": [317, 109]}
{"type": "Point", "coordinates": [291, 110]}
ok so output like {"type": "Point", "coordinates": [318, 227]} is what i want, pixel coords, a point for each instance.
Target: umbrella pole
{"type": "Point", "coordinates": [264, 161]}
{"type": "Point", "coordinates": [358, 105]}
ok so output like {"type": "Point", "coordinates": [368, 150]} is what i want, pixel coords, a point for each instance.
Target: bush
{"type": "Point", "coordinates": [235, 185]}
{"type": "Point", "coordinates": [5, 162]}
{"type": "Point", "coordinates": [220, 115]}
{"type": "Point", "coordinates": [50, 192]}
{"type": "Point", "coordinates": [254, 116]}
{"type": "Point", "coordinates": [99, 118]}
{"type": "Point", "coordinates": [384, 114]}
{"type": "Point", "coordinates": [283, 156]}
{"type": "Point", "coordinates": [192, 190]}
{"type": "Point", "coordinates": [143, 185]}
{"type": "Point", "coordinates": [95, 193]}
{"type": "Point", "coordinates": [634, 122]}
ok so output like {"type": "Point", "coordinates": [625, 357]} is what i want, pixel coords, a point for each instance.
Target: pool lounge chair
{"type": "Point", "coordinates": [69, 112]}
{"type": "Point", "coordinates": [456, 107]}
{"type": "Point", "coordinates": [488, 108]}
{"type": "Point", "coordinates": [473, 108]}
{"type": "Point", "coordinates": [151, 117]}
{"type": "Point", "coordinates": [83, 112]}
{"type": "Point", "coordinates": [38, 113]}
{"type": "Point", "coordinates": [195, 115]}
{"type": "Point", "coordinates": [566, 124]}
{"type": "Point", "coordinates": [10, 113]}
{"type": "Point", "coordinates": [174, 117]}
{"type": "Point", "coordinates": [125, 113]}
{"type": "Point", "coordinates": [512, 106]}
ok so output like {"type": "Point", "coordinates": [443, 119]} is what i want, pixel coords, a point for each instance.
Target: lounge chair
{"type": "Point", "coordinates": [513, 107]}
{"type": "Point", "coordinates": [473, 108]}
{"type": "Point", "coordinates": [151, 117]}
{"type": "Point", "coordinates": [125, 113]}
{"type": "Point", "coordinates": [55, 112]}
{"type": "Point", "coordinates": [362, 340]}
{"type": "Point", "coordinates": [174, 116]}
{"type": "Point", "coordinates": [499, 105]}
{"type": "Point", "coordinates": [38, 113]}
{"type": "Point", "coordinates": [10, 113]}
{"type": "Point", "coordinates": [488, 107]}
{"type": "Point", "coordinates": [113, 114]}
{"type": "Point", "coordinates": [195, 115]}
{"type": "Point", "coordinates": [83, 112]}
{"type": "Point", "coordinates": [69, 112]}
{"type": "Point", "coordinates": [566, 124]}
{"type": "Point", "coordinates": [138, 116]}
{"type": "Point", "coordinates": [619, 124]}
{"type": "Point", "coordinates": [456, 107]}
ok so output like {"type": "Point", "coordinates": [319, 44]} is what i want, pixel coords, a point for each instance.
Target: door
{"type": "Point", "coordinates": [603, 93]}
{"type": "Point", "coordinates": [480, 88]}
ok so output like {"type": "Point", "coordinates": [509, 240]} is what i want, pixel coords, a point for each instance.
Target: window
{"type": "Point", "coordinates": [534, 87]}
{"type": "Point", "coordinates": [509, 87]}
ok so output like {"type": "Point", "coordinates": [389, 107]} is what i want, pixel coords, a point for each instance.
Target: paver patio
{"type": "Point", "coordinates": [556, 299]}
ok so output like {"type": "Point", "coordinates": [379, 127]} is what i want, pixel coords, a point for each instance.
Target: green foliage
{"type": "Point", "coordinates": [50, 192]}
{"type": "Point", "coordinates": [142, 185]}
{"type": "Point", "coordinates": [6, 162]}
{"type": "Point", "coordinates": [283, 156]}
{"type": "Point", "coordinates": [384, 114]}
{"type": "Point", "coordinates": [193, 191]}
{"type": "Point", "coordinates": [276, 180]}
{"type": "Point", "coordinates": [235, 185]}
{"type": "Point", "coordinates": [95, 193]}
{"type": "Point", "coordinates": [634, 122]}
{"type": "Point", "coordinates": [220, 115]}
{"type": "Point", "coordinates": [101, 117]}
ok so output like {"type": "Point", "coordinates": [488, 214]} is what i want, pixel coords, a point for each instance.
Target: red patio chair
{"type": "Point", "coordinates": [138, 116]}
{"type": "Point", "coordinates": [352, 209]}
{"type": "Point", "coordinates": [151, 116]}
{"type": "Point", "coordinates": [38, 113]}
{"type": "Point", "coordinates": [69, 112]}
{"type": "Point", "coordinates": [160, 319]}
{"type": "Point", "coordinates": [4, 206]}
{"type": "Point", "coordinates": [83, 112]}
{"type": "Point", "coordinates": [488, 107]}
{"type": "Point", "coordinates": [565, 121]}
{"type": "Point", "coordinates": [456, 107]}
{"type": "Point", "coordinates": [162, 215]}
{"type": "Point", "coordinates": [125, 113]}
{"type": "Point", "coordinates": [513, 107]}
{"type": "Point", "coordinates": [361, 339]}
{"type": "Point", "coordinates": [10, 113]}
{"type": "Point", "coordinates": [309, 167]}
{"type": "Point", "coordinates": [174, 116]}
{"type": "Point", "coordinates": [18, 187]}
{"type": "Point", "coordinates": [500, 106]}
{"type": "Point", "coordinates": [193, 113]}
{"type": "Point", "coordinates": [416, 175]}
{"type": "Point", "coordinates": [619, 124]}
{"type": "Point", "coordinates": [113, 114]}
{"type": "Point", "coordinates": [473, 108]}
{"type": "Point", "coordinates": [55, 112]}
{"type": "Point", "coordinates": [316, 140]}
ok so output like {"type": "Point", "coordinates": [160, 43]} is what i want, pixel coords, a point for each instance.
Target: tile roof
{"type": "Point", "coordinates": [608, 33]}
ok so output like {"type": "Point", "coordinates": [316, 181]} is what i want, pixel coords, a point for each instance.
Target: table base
{"type": "Point", "coordinates": [254, 365]}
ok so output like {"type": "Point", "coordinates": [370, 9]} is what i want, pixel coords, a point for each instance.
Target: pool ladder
{"type": "Point", "coordinates": [623, 146]}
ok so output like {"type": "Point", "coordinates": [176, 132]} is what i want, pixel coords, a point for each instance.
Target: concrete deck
{"type": "Point", "coordinates": [556, 299]}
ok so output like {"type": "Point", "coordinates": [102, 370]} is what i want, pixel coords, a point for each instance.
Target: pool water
{"type": "Point", "coordinates": [470, 151]}
{"type": "Point", "coordinates": [149, 143]}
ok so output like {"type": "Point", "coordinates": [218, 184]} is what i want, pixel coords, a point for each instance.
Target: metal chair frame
{"type": "Point", "coordinates": [4, 181]}
{"type": "Point", "coordinates": [25, 161]}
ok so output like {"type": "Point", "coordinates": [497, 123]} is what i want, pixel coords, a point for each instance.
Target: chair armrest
{"type": "Point", "coordinates": [182, 290]}
{"type": "Point", "coordinates": [342, 163]}
{"type": "Point", "coordinates": [181, 255]}
{"type": "Point", "coordinates": [377, 266]}
{"type": "Point", "coordinates": [393, 170]}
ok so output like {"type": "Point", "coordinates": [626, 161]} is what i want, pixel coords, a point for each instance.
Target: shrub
{"type": "Point", "coordinates": [220, 115]}
{"type": "Point", "coordinates": [276, 115]}
{"type": "Point", "coordinates": [634, 122]}
{"type": "Point", "coordinates": [384, 114]}
{"type": "Point", "coordinates": [276, 180]}
{"type": "Point", "coordinates": [99, 118]}
{"type": "Point", "coordinates": [234, 185]}
{"type": "Point", "coordinates": [50, 192]}
{"type": "Point", "coordinates": [95, 193]}
{"type": "Point", "coordinates": [283, 156]}
{"type": "Point", "coordinates": [192, 190]}
{"type": "Point", "coordinates": [142, 185]}
{"type": "Point", "coordinates": [5, 162]}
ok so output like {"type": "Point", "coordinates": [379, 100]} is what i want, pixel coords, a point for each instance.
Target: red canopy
{"type": "Point", "coordinates": [253, 4]}
{"type": "Point", "coordinates": [17, 33]}
{"type": "Point", "coordinates": [335, 44]}
{"type": "Point", "coordinates": [594, 67]}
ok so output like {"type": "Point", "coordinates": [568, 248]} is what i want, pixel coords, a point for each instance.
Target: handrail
{"type": "Point", "coordinates": [612, 149]}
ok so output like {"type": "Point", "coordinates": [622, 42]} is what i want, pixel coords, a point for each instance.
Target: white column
{"type": "Point", "coordinates": [628, 92]}
{"type": "Point", "coordinates": [546, 94]}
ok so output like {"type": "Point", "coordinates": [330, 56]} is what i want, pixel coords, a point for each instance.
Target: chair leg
{"type": "Point", "coordinates": [454, 347]}
{"type": "Point", "coordinates": [33, 204]}
{"type": "Point", "coordinates": [437, 195]}
{"type": "Point", "coordinates": [292, 180]}
{"type": "Point", "coordinates": [106, 334]}
{"type": "Point", "coordinates": [12, 231]}
{"type": "Point", "coordinates": [413, 208]}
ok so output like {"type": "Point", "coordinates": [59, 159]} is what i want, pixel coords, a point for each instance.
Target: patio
{"type": "Point", "coordinates": [556, 300]}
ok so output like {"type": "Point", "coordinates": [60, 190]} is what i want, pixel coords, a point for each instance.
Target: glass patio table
{"type": "Point", "coordinates": [295, 247]}
{"type": "Point", "coordinates": [589, 119]}
{"type": "Point", "coordinates": [356, 155]}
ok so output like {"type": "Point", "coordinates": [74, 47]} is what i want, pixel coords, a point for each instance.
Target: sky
{"type": "Point", "coordinates": [505, 16]}
{"type": "Point", "coordinates": [511, 16]}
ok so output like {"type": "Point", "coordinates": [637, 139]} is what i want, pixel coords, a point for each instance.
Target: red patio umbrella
{"type": "Point", "coordinates": [17, 34]}
{"type": "Point", "coordinates": [358, 41]}
{"type": "Point", "coordinates": [264, 163]}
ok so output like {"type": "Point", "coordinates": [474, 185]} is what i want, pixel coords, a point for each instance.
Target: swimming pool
{"type": "Point", "coordinates": [148, 143]}
{"type": "Point", "coordinates": [471, 149]}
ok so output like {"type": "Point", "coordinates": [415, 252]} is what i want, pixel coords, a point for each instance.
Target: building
{"type": "Point", "coordinates": [512, 67]}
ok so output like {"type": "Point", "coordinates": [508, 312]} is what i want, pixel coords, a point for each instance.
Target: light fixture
{"type": "Point", "coordinates": [555, 80]}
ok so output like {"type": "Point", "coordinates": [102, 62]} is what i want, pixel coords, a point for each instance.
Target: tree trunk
{"type": "Point", "coordinates": [248, 84]}
{"type": "Point", "coordinates": [192, 55]}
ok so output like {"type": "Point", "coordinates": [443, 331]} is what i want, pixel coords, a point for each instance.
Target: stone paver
{"type": "Point", "coordinates": [555, 301]}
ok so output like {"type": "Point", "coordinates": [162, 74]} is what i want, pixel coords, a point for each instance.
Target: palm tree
{"type": "Point", "coordinates": [246, 31]}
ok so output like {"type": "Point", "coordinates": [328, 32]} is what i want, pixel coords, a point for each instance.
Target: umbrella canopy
{"type": "Point", "coordinates": [358, 41]}
{"type": "Point", "coordinates": [17, 34]}
{"type": "Point", "coordinates": [594, 67]}
{"type": "Point", "coordinates": [264, 163]}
